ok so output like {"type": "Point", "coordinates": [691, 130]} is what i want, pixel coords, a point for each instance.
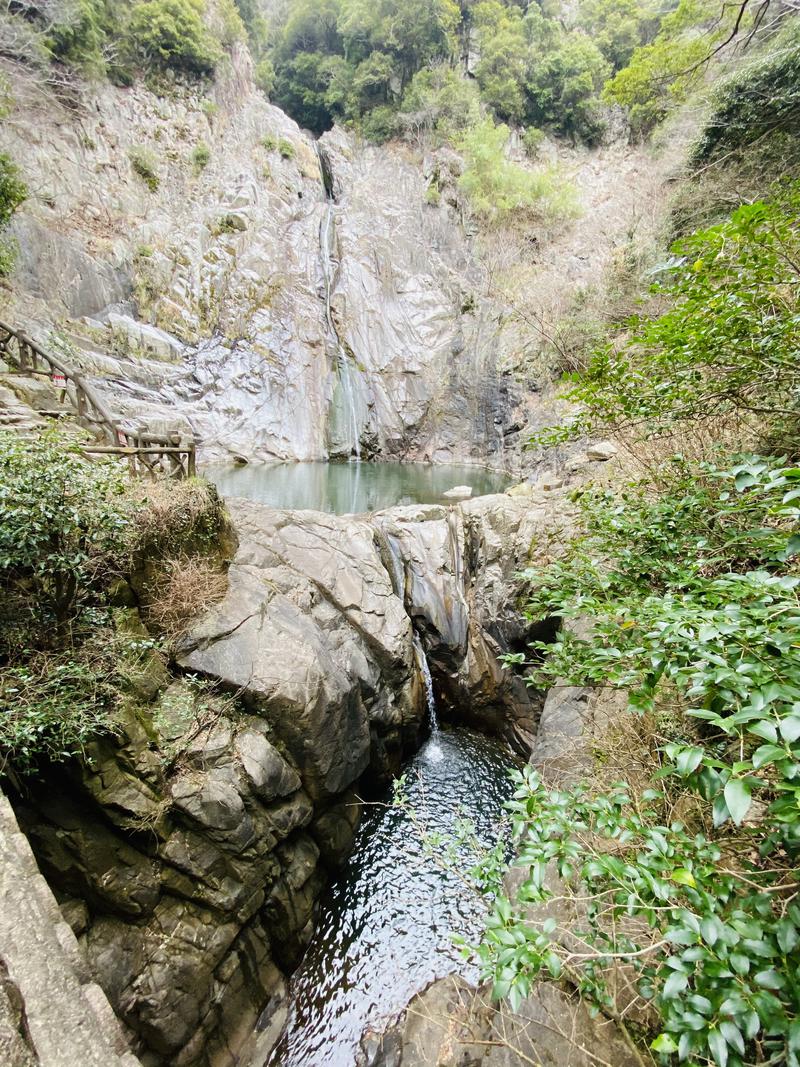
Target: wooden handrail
{"type": "Point", "coordinates": [91, 407]}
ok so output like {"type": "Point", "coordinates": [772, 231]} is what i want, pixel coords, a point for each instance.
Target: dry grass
{"type": "Point", "coordinates": [171, 509]}
{"type": "Point", "coordinates": [187, 586]}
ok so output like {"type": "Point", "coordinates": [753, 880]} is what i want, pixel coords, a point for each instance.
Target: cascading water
{"type": "Point", "coordinates": [345, 372]}
{"type": "Point", "coordinates": [425, 671]}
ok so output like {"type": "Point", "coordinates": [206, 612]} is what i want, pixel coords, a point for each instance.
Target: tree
{"type": "Point", "coordinates": [171, 33]}
{"type": "Point", "coordinates": [439, 102]}
{"type": "Point", "coordinates": [414, 32]}
{"type": "Point", "coordinates": [564, 79]}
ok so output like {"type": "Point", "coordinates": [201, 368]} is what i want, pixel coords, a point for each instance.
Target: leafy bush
{"type": "Point", "coordinates": [200, 157]}
{"type": "Point", "coordinates": [50, 709]}
{"type": "Point", "coordinates": [439, 104]}
{"type": "Point", "coordinates": [564, 80]}
{"type": "Point", "coordinates": [62, 521]}
{"type": "Point", "coordinates": [497, 188]}
{"type": "Point", "coordinates": [81, 37]}
{"type": "Point", "coordinates": [693, 594]}
{"type": "Point", "coordinates": [532, 140]}
{"type": "Point", "coordinates": [727, 344]}
{"type": "Point", "coordinates": [171, 33]}
{"type": "Point", "coordinates": [13, 192]}
{"type": "Point", "coordinates": [144, 164]}
{"type": "Point", "coordinates": [663, 72]}
{"type": "Point", "coordinates": [269, 142]}
{"type": "Point", "coordinates": [265, 76]}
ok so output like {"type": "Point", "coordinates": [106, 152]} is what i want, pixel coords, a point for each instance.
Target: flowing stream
{"type": "Point", "coordinates": [386, 923]}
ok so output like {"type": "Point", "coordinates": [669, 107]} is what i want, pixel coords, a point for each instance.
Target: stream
{"type": "Point", "coordinates": [386, 922]}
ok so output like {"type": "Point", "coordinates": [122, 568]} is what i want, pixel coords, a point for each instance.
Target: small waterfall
{"type": "Point", "coordinates": [425, 671]}
{"type": "Point", "coordinates": [327, 235]}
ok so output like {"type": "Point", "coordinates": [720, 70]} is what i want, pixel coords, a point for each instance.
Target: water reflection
{"type": "Point", "coordinates": [349, 488]}
{"type": "Point", "coordinates": [386, 923]}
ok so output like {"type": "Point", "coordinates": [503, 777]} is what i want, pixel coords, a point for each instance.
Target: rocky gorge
{"type": "Point", "coordinates": [295, 299]}
{"type": "Point", "coordinates": [188, 852]}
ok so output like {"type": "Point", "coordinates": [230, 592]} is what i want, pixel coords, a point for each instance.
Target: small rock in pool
{"type": "Point", "coordinates": [458, 492]}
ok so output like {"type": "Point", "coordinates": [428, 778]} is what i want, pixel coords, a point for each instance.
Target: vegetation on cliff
{"type": "Point", "coordinates": [76, 539]}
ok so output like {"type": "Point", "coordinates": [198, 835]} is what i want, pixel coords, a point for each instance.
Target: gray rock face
{"type": "Point", "coordinates": [50, 1015]}
{"type": "Point", "coordinates": [202, 304]}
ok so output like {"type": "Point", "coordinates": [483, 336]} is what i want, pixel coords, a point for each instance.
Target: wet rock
{"type": "Point", "coordinates": [452, 1023]}
{"type": "Point", "coordinates": [458, 492]}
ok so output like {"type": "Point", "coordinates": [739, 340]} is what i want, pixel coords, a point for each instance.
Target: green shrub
{"type": "Point", "coordinates": [144, 164]}
{"type": "Point", "coordinates": [689, 881]}
{"type": "Point", "coordinates": [763, 99]}
{"type": "Point", "coordinates": [532, 140]}
{"type": "Point", "coordinates": [200, 157]}
{"type": "Point", "coordinates": [497, 188]}
{"type": "Point", "coordinates": [171, 34]}
{"type": "Point", "coordinates": [286, 149]}
{"type": "Point", "coordinates": [13, 192]}
{"type": "Point", "coordinates": [265, 76]}
{"type": "Point", "coordinates": [439, 103]}
{"type": "Point", "coordinates": [269, 142]}
{"type": "Point", "coordinates": [62, 520]}
{"type": "Point", "coordinates": [209, 108]}
{"type": "Point", "coordinates": [51, 708]}
{"type": "Point", "coordinates": [80, 38]}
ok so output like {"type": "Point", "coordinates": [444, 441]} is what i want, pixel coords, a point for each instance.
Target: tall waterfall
{"type": "Point", "coordinates": [327, 235]}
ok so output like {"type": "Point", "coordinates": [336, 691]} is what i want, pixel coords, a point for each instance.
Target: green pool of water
{"type": "Point", "coordinates": [350, 488]}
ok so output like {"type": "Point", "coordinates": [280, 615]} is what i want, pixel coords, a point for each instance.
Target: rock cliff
{"type": "Point", "coordinates": [236, 298]}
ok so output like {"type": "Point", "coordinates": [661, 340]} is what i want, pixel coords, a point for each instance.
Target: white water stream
{"type": "Point", "coordinates": [327, 235]}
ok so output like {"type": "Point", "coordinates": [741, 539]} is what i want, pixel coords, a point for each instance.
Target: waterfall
{"type": "Point", "coordinates": [425, 671]}
{"type": "Point", "coordinates": [327, 235]}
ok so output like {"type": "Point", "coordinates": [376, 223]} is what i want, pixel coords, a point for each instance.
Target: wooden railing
{"type": "Point", "coordinates": [147, 453]}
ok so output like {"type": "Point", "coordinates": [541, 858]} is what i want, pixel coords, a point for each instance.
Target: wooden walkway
{"type": "Point", "coordinates": [147, 453]}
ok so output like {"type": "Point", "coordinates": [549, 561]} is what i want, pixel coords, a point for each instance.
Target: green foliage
{"type": "Point", "coordinates": [286, 149]}
{"type": "Point", "coordinates": [81, 38]}
{"type": "Point", "coordinates": [172, 34]}
{"type": "Point", "coordinates": [497, 188]}
{"type": "Point", "coordinates": [200, 157]}
{"type": "Point", "coordinates": [618, 27]}
{"type": "Point", "coordinates": [762, 100]}
{"type": "Point", "coordinates": [727, 343]}
{"type": "Point", "coordinates": [532, 140]}
{"type": "Point", "coordinates": [144, 164]}
{"type": "Point", "coordinates": [61, 522]}
{"type": "Point", "coordinates": [663, 73]}
{"type": "Point", "coordinates": [265, 76]}
{"type": "Point", "coordinates": [691, 592]}
{"type": "Point", "coordinates": [564, 81]}
{"type": "Point", "coordinates": [50, 709]}
{"type": "Point", "coordinates": [13, 192]}
{"type": "Point", "coordinates": [270, 142]}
